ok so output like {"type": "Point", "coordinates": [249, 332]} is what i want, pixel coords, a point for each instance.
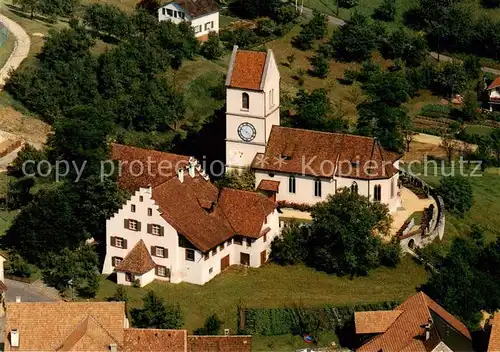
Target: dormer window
{"type": "Point", "coordinates": [245, 101]}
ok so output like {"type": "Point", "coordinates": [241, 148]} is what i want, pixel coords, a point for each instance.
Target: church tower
{"type": "Point", "coordinates": [252, 105]}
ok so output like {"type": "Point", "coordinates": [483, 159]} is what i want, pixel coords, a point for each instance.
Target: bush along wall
{"type": "Point", "coordinates": [299, 320]}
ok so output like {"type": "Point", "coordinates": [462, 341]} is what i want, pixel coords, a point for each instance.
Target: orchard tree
{"type": "Point", "coordinates": [347, 247]}
{"type": "Point", "coordinates": [451, 78]}
{"type": "Point", "coordinates": [457, 193]}
{"type": "Point", "coordinates": [406, 45]}
{"type": "Point", "coordinates": [320, 67]}
{"type": "Point", "coordinates": [108, 19]}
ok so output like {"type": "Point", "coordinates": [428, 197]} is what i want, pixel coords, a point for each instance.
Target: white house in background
{"type": "Point", "coordinates": [494, 93]}
{"type": "Point", "coordinates": [296, 165]}
{"type": "Point", "coordinates": [202, 14]}
{"type": "Point", "coordinates": [178, 226]}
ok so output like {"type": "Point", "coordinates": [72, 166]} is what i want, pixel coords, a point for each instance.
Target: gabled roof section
{"type": "Point", "coordinates": [219, 343]}
{"type": "Point", "coordinates": [375, 322]}
{"type": "Point", "coordinates": [494, 84]}
{"type": "Point", "coordinates": [407, 331]}
{"type": "Point", "coordinates": [153, 340]}
{"type": "Point", "coordinates": [89, 335]}
{"type": "Point", "coordinates": [269, 185]}
{"type": "Point", "coordinates": [494, 340]}
{"type": "Point", "coordinates": [134, 163]}
{"type": "Point", "coordinates": [247, 69]}
{"type": "Point", "coordinates": [47, 326]}
{"type": "Point", "coordinates": [245, 211]}
{"type": "Point", "coordinates": [137, 261]}
{"type": "Point", "coordinates": [197, 8]}
{"type": "Point", "coordinates": [325, 154]}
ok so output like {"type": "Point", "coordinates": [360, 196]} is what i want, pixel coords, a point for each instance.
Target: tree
{"type": "Point", "coordinates": [406, 45]}
{"type": "Point", "coordinates": [316, 112]}
{"type": "Point", "coordinates": [291, 247]}
{"type": "Point", "coordinates": [120, 295]}
{"type": "Point", "coordinates": [355, 40]}
{"type": "Point", "coordinates": [347, 4]}
{"type": "Point", "coordinates": [390, 88]}
{"type": "Point", "coordinates": [320, 66]}
{"type": "Point", "coordinates": [304, 41]}
{"type": "Point", "coordinates": [449, 145]}
{"type": "Point", "coordinates": [31, 6]}
{"type": "Point", "coordinates": [494, 143]}
{"type": "Point", "coordinates": [457, 193]}
{"type": "Point", "coordinates": [451, 78]}
{"type": "Point", "coordinates": [318, 25]}
{"type": "Point", "coordinates": [386, 11]}
{"type": "Point", "coordinates": [472, 66]}
{"type": "Point", "coordinates": [212, 49]}
{"type": "Point", "coordinates": [243, 179]}
{"type": "Point", "coordinates": [347, 247]}
{"type": "Point", "coordinates": [17, 266]}
{"type": "Point", "coordinates": [19, 192]}
{"type": "Point", "coordinates": [471, 106]}
{"type": "Point", "coordinates": [212, 326]}
{"type": "Point", "coordinates": [291, 59]}
{"type": "Point", "coordinates": [156, 314]}
{"type": "Point", "coordinates": [266, 27]}
{"type": "Point", "coordinates": [108, 19]}
{"type": "Point", "coordinates": [28, 156]}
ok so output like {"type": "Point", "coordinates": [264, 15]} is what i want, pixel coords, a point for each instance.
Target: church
{"type": "Point", "coordinates": [294, 165]}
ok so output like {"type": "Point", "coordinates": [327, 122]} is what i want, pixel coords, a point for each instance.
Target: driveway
{"type": "Point", "coordinates": [25, 291]}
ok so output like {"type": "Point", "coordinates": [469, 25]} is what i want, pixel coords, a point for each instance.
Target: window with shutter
{"type": "Point", "coordinates": [124, 244]}
{"type": "Point", "coordinates": [138, 226]}
{"type": "Point", "coordinates": [153, 250]}
{"type": "Point", "coordinates": [150, 212]}
{"type": "Point", "coordinates": [148, 227]}
{"type": "Point", "coordinates": [113, 242]}
{"type": "Point", "coordinates": [126, 224]}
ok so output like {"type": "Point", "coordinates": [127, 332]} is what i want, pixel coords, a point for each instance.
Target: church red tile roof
{"type": "Point", "coordinates": [247, 69]}
{"type": "Point", "coordinates": [324, 154]}
{"type": "Point", "coordinates": [137, 261]}
{"type": "Point", "coordinates": [407, 331]}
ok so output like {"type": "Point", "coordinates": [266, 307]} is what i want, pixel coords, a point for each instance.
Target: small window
{"type": "Point", "coordinates": [208, 26]}
{"type": "Point", "coordinates": [128, 277]}
{"type": "Point", "coordinates": [141, 198]}
{"type": "Point", "coordinates": [264, 237]}
{"type": "Point", "coordinates": [160, 252]}
{"type": "Point", "coordinates": [197, 29]}
{"type": "Point", "coordinates": [221, 247]}
{"type": "Point", "coordinates": [163, 11]}
{"type": "Point", "coordinates": [291, 184]}
{"type": "Point", "coordinates": [393, 187]}
{"type": "Point", "coordinates": [118, 242]}
{"type": "Point", "coordinates": [206, 256]}
{"type": "Point", "coordinates": [245, 101]}
{"type": "Point", "coordinates": [317, 188]}
{"type": "Point", "coordinates": [132, 208]}
{"type": "Point", "coordinates": [354, 187]}
{"type": "Point", "coordinates": [161, 271]}
{"type": "Point", "coordinates": [271, 98]}
{"type": "Point", "coordinates": [211, 270]}
{"type": "Point", "coordinates": [190, 255]}
{"type": "Point", "coordinates": [170, 12]}
{"type": "Point", "coordinates": [132, 225]}
{"type": "Point", "coordinates": [155, 230]}
{"type": "Point", "coordinates": [229, 242]}
{"type": "Point", "coordinates": [249, 242]}
{"type": "Point", "coordinates": [270, 174]}
{"type": "Point", "coordinates": [238, 240]}
{"type": "Point", "coordinates": [214, 251]}
{"type": "Point", "coordinates": [377, 193]}
{"type": "Point", "coordinates": [116, 261]}
{"type": "Point", "coordinates": [182, 15]}
{"type": "Point", "coordinates": [150, 212]}
{"type": "Point", "coordinates": [175, 14]}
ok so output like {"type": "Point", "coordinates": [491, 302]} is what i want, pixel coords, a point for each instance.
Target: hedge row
{"type": "Point", "coordinates": [296, 320]}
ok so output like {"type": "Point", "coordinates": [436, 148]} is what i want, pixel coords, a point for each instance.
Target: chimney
{"type": "Point", "coordinates": [428, 327]}
{"type": "Point", "coordinates": [14, 338]}
{"type": "Point", "coordinates": [113, 347]}
{"type": "Point", "coordinates": [192, 165]}
{"type": "Point", "coordinates": [180, 174]}
{"type": "Point", "coordinates": [18, 299]}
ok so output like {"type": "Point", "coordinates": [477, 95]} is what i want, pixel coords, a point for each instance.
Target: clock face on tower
{"type": "Point", "coordinates": [247, 131]}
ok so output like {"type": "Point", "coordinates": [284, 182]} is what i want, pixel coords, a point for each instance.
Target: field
{"type": "Point", "coordinates": [276, 286]}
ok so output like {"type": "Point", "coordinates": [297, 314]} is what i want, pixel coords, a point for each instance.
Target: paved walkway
{"type": "Point", "coordinates": [411, 204]}
{"type": "Point", "coordinates": [27, 292]}
{"type": "Point", "coordinates": [21, 48]}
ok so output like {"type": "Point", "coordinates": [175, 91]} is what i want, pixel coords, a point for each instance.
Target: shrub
{"type": "Point", "coordinates": [291, 247]}
{"type": "Point", "coordinates": [120, 295]}
{"type": "Point", "coordinates": [347, 4]}
{"type": "Point", "coordinates": [390, 253]}
{"type": "Point", "coordinates": [435, 110]}
{"type": "Point", "coordinates": [265, 27]}
{"type": "Point", "coordinates": [212, 48]}
{"type": "Point", "coordinates": [457, 193]}
{"type": "Point", "coordinates": [386, 11]}
{"type": "Point", "coordinates": [17, 266]}
{"type": "Point", "coordinates": [244, 180]}
{"type": "Point", "coordinates": [212, 326]}
{"type": "Point", "coordinates": [320, 66]}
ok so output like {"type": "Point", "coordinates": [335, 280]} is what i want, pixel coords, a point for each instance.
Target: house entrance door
{"type": "Point", "coordinates": [244, 258]}
{"type": "Point", "coordinates": [224, 262]}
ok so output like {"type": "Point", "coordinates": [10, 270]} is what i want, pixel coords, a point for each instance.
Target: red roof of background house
{"type": "Point", "coordinates": [494, 340]}
{"type": "Point", "coordinates": [247, 69]}
{"type": "Point", "coordinates": [137, 261]}
{"type": "Point", "coordinates": [326, 154]}
{"type": "Point", "coordinates": [406, 331]}
{"type": "Point", "coordinates": [185, 205]}
{"type": "Point", "coordinates": [269, 185]}
{"type": "Point", "coordinates": [220, 343]}
{"type": "Point", "coordinates": [495, 83]}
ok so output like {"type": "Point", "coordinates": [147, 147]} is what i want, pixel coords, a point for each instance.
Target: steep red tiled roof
{"type": "Point", "coordinates": [494, 341]}
{"type": "Point", "coordinates": [245, 211]}
{"type": "Point", "coordinates": [137, 261]}
{"type": "Point", "coordinates": [163, 166]}
{"type": "Point", "coordinates": [248, 69]}
{"type": "Point", "coordinates": [374, 322]}
{"type": "Point", "coordinates": [50, 326]}
{"type": "Point", "coordinates": [219, 343]}
{"type": "Point", "coordinates": [495, 83]}
{"type": "Point", "coordinates": [407, 331]}
{"type": "Point", "coordinates": [153, 340]}
{"type": "Point", "coordinates": [268, 185]}
{"type": "Point", "coordinates": [324, 154]}
{"type": "Point", "coordinates": [198, 8]}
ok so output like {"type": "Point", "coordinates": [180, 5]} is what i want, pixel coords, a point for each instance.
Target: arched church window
{"type": "Point", "coordinates": [354, 187]}
{"type": "Point", "coordinates": [377, 192]}
{"type": "Point", "coordinates": [245, 101]}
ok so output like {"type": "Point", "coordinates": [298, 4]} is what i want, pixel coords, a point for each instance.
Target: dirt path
{"type": "Point", "coordinates": [21, 48]}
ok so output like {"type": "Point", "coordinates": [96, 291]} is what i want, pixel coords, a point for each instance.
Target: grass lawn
{"type": "Point", "coordinates": [276, 286]}
{"type": "Point", "coordinates": [478, 129]}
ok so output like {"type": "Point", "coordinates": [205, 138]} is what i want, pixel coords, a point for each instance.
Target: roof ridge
{"type": "Point", "coordinates": [148, 150]}
{"type": "Point", "coordinates": [324, 132]}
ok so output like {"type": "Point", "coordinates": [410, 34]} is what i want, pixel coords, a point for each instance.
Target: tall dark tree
{"type": "Point", "coordinates": [156, 314]}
